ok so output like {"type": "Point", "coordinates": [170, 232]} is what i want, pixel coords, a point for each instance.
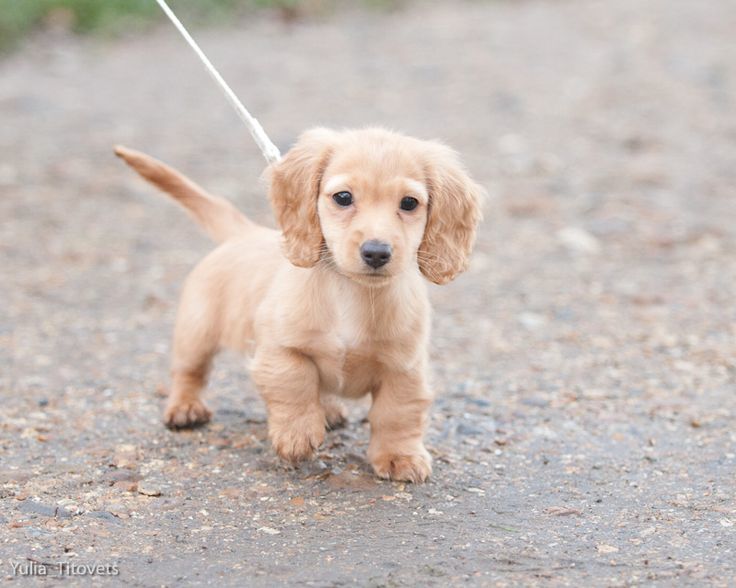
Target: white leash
{"type": "Point", "coordinates": [269, 150]}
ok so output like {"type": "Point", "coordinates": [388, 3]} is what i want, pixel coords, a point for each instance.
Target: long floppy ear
{"type": "Point", "coordinates": [295, 185]}
{"type": "Point", "coordinates": [454, 213]}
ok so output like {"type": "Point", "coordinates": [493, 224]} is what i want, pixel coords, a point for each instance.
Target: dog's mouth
{"type": "Point", "coordinates": [376, 274]}
{"type": "Point", "coordinates": [370, 278]}
{"type": "Point", "coordinates": [367, 277]}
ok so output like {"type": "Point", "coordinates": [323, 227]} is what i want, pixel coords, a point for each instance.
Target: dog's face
{"type": "Point", "coordinates": [372, 209]}
{"type": "Point", "coordinates": [373, 203]}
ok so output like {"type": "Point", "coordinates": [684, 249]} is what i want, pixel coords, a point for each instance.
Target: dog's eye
{"type": "Point", "coordinates": [343, 198]}
{"type": "Point", "coordinates": [409, 203]}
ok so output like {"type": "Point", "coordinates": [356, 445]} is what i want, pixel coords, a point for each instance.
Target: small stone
{"type": "Point", "coordinates": [148, 489]}
{"type": "Point", "coordinates": [532, 320]}
{"type": "Point", "coordinates": [69, 506]}
{"type": "Point", "coordinates": [126, 485]}
{"type": "Point", "coordinates": [464, 429]}
{"type": "Point", "coordinates": [579, 240]}
{"type": "Point", "coordinates": [118, 510]}
{"type": "Point", "coordinates": [101, 514]}
{"type": "Point", "coordinates": [46, 510]}
{"type": "Point", "coordinates": [269, 531]}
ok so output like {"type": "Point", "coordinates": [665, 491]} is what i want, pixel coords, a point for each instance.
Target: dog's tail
{"type": "Point", "coordinates": [220, 219]}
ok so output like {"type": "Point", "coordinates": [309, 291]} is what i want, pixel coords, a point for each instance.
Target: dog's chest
{"type": "Point", "coordinates": [350, 366]}
{"type": "Point", "coordinates": [367, 334]}
{"type": "Point", "coordinates": [349, 333]}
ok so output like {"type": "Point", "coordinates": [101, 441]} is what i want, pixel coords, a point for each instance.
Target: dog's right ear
{"type": "Point", "coordinates": [294, 188]}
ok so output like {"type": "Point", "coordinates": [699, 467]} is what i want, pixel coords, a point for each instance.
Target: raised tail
{"type": "Point", "coordinates": [218, 217]}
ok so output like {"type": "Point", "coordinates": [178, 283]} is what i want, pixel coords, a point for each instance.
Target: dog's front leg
{"type": "Point", "coordinates": [398, 421]}
{"type": "Point", "coordinates": [289, 383]}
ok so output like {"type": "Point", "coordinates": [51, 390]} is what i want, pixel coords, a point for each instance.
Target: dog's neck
{"type": "Point", "coordinates": [381, 311]}
{"type": "Point", "coordinates": [384, 291]}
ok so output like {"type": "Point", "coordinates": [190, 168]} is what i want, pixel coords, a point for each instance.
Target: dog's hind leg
{"type": "Point", "coordinates": [335, 414]}
{"type": "Point", "coordinates": [185, 408]}
{"type": "Point", "coordinates": [195, 344]}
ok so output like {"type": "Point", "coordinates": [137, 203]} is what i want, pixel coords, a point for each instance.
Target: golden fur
{"type": "Point", "coordinates": [318, 321]}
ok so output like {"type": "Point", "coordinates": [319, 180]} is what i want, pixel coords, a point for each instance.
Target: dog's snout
{"type": "Point", "coordinates": [375, 253]}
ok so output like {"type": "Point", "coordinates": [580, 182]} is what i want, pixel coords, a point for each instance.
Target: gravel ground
{"type": "Point", "coordinates": [585, 366]}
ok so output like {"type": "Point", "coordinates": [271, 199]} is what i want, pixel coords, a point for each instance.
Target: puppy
{"type": "Point", "coordinates": [335, 304]}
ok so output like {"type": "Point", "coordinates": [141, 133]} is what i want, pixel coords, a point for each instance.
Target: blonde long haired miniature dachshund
{"type": "Point", "coordinates": [334, 304]}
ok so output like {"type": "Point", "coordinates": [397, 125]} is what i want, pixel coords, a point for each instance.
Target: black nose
{"type": "Point", "coordinates": [375, 253]}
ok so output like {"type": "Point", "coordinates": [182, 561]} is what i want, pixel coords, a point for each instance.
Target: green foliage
{"type": "Point", "coordinates": [18, 17]}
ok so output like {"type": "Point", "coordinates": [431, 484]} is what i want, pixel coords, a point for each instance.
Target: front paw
{"type": "Point", "coordinates": [297, 439]}
{"type": "Point", "coordinates": [410, 466]}
{"type": "Point", "coordinates": [186, 414]}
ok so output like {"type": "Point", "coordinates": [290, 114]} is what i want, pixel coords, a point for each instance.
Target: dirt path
{"type": "Point", "coordinates": [585, 366]}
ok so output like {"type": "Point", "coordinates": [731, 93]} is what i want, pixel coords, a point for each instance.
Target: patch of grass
{"type": "Point", "coordinates": [19, 17]}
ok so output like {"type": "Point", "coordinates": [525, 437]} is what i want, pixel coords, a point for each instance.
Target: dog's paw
{"type": "Point", "coordinates": [183, 415]}
{"type": "Point", "coordinates": [413, 467]}
{"type": "Point", "coordinates": [336, 416]}
{"type": "Point", "coordinates": [297, 440]}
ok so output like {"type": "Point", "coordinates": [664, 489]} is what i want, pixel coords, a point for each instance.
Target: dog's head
{"type": "Point", "coordinates": [373, 203]}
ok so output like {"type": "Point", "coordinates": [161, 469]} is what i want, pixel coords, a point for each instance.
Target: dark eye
{"type": "Point", "coordinates": [343, 198]}
{"type": "Point", "coordinates": [409, 203]}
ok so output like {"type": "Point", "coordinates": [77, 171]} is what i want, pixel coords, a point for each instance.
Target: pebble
{"type": "Point", "coordinates": [102, 514]}
{"type": "Point", "coordinates": [579, 240]}
{"type": "Point", "coordinates": [269, 531]}
{"type": "Point", "coordinates": [32, 506]}
{"type": "Point", "coordinates": [118, 510]}
{"type": "Point", "coordinates": [532, 320]}
{"type": "Point", "coordinates": [148, 489]}
{"type": "Point", "coordinates": [69, 505]}
{"type": "Point", "coordinates": [465, 429]}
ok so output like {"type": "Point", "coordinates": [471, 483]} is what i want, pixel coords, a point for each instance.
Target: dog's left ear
{"type": "Point", "coordinates": [294, 189]}
{"type": "Point", "coordinates": [455, 203]}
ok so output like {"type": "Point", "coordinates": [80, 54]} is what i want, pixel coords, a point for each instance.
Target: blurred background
{"type": "Point", "coordinates": [585, 364]}
{"type": "Point", "coordinates": [115, 17]}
